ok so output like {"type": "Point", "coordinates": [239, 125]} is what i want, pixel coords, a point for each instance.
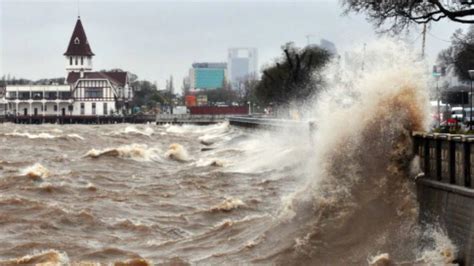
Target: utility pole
{"type": "Point", "coordinates": [423, 42]}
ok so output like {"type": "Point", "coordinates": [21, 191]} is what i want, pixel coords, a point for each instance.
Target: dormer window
{"type": "Point", "coordinates": [76, 41]}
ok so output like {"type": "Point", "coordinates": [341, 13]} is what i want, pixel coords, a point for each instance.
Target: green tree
{"type": "Point", "coordinates": [293, 77]}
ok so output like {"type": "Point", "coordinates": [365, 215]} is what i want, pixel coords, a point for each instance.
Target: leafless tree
{"type": "Point", "coordinates": [395, 16]}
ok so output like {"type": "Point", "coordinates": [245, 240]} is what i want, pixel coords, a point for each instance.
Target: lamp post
{"type": "Point", "coordinates": [439, 111]}
{"type": "Point", "coordinates": [463, 102]}
{"type": "Point", "coordinates": [436, 75]}
{"type": "Point", "coordinates": [471, 75]}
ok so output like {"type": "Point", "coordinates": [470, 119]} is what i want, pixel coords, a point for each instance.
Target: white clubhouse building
{"type": "Point", "coordinates": [86, 93]}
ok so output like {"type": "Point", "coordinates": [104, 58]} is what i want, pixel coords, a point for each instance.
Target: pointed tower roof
{"type": "Point", "coordinates": [78, 45]}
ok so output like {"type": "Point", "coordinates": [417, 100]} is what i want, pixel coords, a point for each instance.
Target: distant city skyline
{"type": "Point", "coordinates": [156, 39]}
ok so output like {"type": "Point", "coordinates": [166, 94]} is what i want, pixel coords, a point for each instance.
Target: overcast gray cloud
{"type": "Point", "coordinates": [156, 39]}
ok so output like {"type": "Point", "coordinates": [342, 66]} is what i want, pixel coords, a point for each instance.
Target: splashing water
{"type": "Point", "coordinates": [139, 152]}
{"type": "Point", "coordinates": [342, 196]}
{"type": "Point", "coordinates": [35, 172]}
{"type": "Point", "coordinates": [177, 152]}
{"type": "Point", "coordinates": [358, 199]}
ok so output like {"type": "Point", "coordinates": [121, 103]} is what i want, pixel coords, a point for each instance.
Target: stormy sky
{"type": "Point", "coordinates": [156, 39]}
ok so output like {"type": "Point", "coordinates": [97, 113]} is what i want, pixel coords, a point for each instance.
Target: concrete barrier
{"type": "Point", "coordinates": [262, 122]}
{"type": "Point", "coordinates": [446, 191]}
{"type": "Point", "coordinates": [190, 119]}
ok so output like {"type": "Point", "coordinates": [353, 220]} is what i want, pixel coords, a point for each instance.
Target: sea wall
{"type": "Point", "coordinates": [446, 191]}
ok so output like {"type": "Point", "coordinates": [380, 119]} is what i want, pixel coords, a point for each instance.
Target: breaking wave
{"type": "Point", "coordinates": [343, 196]}
{"type": "Point", "coordinates": [139, 152]}
{"type": "Point", "coordinates": [56, 258]}
{"type": "Point", "coordinates": [47, 257]}
{"type": "Point", "coordinates": [132, 130]}
{"type": "Point", "coordinates": [177, 152]}
{"type": "Point", "coordinates": [228, 205]}
{"type": "Point", "coordinates": [35, 172]}
{"type": "Point", "coordinates": [42, 135]}
{"type": "Point", "coordinates": [359, 198]}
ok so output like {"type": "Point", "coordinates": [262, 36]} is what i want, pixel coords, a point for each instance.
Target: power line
{"type": "Point", "coordinates": [440, 39]}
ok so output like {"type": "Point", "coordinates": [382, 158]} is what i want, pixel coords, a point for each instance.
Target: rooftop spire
{"type": "Point", "coordinates": [78, 44]}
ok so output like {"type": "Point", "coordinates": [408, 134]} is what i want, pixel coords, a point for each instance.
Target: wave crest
{"type": "Point", "coordinates": [47, 257]}
{"type": "Point", "coordinates": [177, 152]}
{"type": "Point", "coordinates": [139, 152]}
{"type": "Point", "coordinates": [35, 172]}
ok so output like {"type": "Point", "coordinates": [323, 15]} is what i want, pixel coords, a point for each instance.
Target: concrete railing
{"type": "Point", "coordinates": [190, 119]}
{"type": "Point", "coordinates": [446, 191]}
{"type": "Point", "coordinates": [248, 121]}
{"type": "Point", "coordinates": [446, 158]}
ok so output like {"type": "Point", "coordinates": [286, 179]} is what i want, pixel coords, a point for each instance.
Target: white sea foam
{"type": "Point", "coordinates": [35, 172]}
{"type": "Point", "coordinates": [43, 135]}
{"type": "Point", "coordinates": [177, 152]}
{"type": "Point", "coordinates": [138, 152]}
{"type": "Point", "coordinates": [148, 131]}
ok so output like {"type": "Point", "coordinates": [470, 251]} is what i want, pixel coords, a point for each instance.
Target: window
{"type": "Point", "coordinates": [82, 109]}
{"type": "Point", "coordinates": [77, 41]}
{"type": "Point", "coordinates": [64, 94]}
{"type": "Point", "coordinates": [70, 60]}
{"type": "Point", "coordinates": [12, 94]}
{"type": "Point", "coordinates": [105, 108]}
{"type": "Point", "coordinates": [75, 61]}
{"type": "Point", "coordinates": [93, 109]}
{"type": "Point", "coordinates": [37, 95]}
{"type": "Point", "coordinates": [24, 95]}
{"type": "Point", "coordinates": [93, 92]}
{"type": "Point", "coordinates": [55, 108]}
{"type": "Point", "coordinates": [82, 60]}
{"type": "Point", "coordinates": [45, 107]}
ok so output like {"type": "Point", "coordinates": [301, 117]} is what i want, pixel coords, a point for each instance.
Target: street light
{"type": "Point", "coordinates": [436, 75]}
{"type": "Point", "coordinates": [471, 75]}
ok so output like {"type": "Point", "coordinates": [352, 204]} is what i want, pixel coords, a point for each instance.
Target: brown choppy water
{"type": "Point", "coordinates": [118, 192]}
{"type": "Point", "coordinates": [146, 194]}
{"type": "Point", "coordinates": [213, 195]}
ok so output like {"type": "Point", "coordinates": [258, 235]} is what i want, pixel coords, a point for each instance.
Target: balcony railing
{"type": "Point", "coordinates": [50, 98]}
